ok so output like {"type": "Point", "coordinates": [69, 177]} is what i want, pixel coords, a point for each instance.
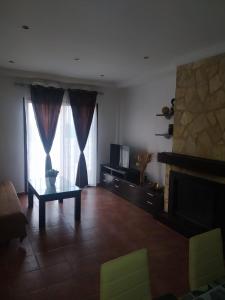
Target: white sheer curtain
{"type": "Point", "coordinates": [65, 149]}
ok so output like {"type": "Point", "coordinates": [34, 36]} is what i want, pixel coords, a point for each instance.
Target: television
{"type": "Point", "coordinates": [119, 156]}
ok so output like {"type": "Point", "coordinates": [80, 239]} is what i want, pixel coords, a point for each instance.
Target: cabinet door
{"type": "Point", "coordinates": [112, 183]}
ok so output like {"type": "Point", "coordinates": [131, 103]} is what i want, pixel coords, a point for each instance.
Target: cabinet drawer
{"type": "Point", "coordinates": [116, 180]}
{"type": "Point", "coordinates": [149, 198]}
{"type": "Point", "coordinates": [148, 205]}
{"type": "Point", "coordinates": [116, 185]}
{"type": "Point", "coordinates": [152, 202]}
{"type": "Point", "coordinates": [130, 191]}
{"type": "Point", "coordinates": [110, 182]}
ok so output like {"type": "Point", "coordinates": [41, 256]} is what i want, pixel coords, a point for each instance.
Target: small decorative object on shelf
{"type": "Point", "coordinates": [167, 112]}
{"type": "Point", "coordinates": [143, 159]}
{"type": "Point", "coordinates": [170, 129]}
{"type": "Point", "coordinates": [51, 176]}
{"type": "Point", "coordinates": [154, 186]}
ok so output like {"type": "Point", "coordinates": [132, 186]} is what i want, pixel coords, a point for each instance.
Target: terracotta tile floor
{"type": "Point", "coordinates": [64, 262]}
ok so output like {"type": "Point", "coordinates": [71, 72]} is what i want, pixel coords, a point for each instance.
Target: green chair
{"type": "Point", "coordinates": [126, 277]}
{"type": "Point", "coordinates": [206, 262]}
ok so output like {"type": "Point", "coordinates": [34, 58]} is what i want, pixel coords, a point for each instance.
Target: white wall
{"type": "Point", "coordinates": [138, 121]}
{"type": "Point", "coordinates": [11, 133]}
{"type": "Point", "coordinates": [108, 112]}
{"type": "Point", "coordinates": [11, 129]}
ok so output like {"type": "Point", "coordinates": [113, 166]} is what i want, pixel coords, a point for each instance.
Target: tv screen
{"type": "Point", "coordinates": [114, 155]}
{"type": "Point", "coordinates": [119, 156]}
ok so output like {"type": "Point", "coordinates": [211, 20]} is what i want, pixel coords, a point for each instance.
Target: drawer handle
{"type": "Point", "coordinates": [151, 195]}
{"type": "Point", "coordinates": [116, 186]}
{"type": "Point", "coordinates": [131, 185]}
{"type": "Point", "coordinates": [149, 202]}
{"type": "Point", "coordinates": [116, 179]}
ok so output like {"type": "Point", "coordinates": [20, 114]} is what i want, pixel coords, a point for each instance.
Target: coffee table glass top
{"type": "Point", "coordinates": [43, 187]}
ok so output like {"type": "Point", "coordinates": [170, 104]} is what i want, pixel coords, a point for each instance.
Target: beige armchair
{"type": "Point", "coordinates": [12, 220]}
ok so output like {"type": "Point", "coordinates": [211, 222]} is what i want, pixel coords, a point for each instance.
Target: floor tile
{"type": "Point", "coordinates": [63, 262]}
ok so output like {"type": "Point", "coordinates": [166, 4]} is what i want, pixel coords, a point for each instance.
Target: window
{"type": "Point", "coordinates": [65, 150]}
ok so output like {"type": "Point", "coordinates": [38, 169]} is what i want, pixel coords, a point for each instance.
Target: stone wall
{"type": "Point", "coordinates": [199, 120]}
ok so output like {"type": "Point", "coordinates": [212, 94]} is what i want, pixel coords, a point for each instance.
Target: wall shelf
{"type": "Point", "coordinates": [167, 116]}
{"type": "Point", "coordinates": [167, 112]}
{"type": "Point", "coordinates": [166, 135]}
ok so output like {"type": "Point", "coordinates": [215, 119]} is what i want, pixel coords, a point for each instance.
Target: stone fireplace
{"type": "Point", "coordinates": [195, 203]}
{"type": "Point", "coordinates": [199, 131]}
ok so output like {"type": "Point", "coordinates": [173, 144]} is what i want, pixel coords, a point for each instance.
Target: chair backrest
{"type": "Point", "coordinates": [206, 262]}
{"type": "Point", "coordinates": [126, 277]}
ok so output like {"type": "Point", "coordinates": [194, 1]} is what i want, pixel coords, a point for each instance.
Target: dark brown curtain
{"type": "Point", "coordinates": [46, 102]}
{"type": "Point", "coordinates": [83, 105]}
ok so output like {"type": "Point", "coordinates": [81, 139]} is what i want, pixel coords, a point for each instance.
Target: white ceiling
{"type": "Point", "coordinates": [110, 37]}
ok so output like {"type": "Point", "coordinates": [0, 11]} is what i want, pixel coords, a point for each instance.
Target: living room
{"type": "Point", "coordinates": [131, 58]}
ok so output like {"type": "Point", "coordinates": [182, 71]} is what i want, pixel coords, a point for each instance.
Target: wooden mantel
{"type": "Point", "coordinates": [202, 165]}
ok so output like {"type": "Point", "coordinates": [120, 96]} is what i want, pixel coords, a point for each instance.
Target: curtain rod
{"type": "Point", "coordinates": [62, 85]}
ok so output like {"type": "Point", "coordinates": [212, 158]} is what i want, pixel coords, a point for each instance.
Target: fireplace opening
{"type": "Point", "coordinates": [196, 202]}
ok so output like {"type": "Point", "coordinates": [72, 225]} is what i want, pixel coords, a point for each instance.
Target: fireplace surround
{"type": "Point", "coordinates": [196, 199]}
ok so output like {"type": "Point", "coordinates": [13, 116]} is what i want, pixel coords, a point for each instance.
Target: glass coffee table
{"type": "Point", "coordinates": [44, 191]}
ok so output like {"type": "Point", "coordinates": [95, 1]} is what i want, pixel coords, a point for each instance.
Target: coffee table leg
{"type": "Point", "coordinates": [77, 207]}
{"type": "Point", "coordinates": [41, 214]}
{"type": "Point", "coordinates": [30, 198]}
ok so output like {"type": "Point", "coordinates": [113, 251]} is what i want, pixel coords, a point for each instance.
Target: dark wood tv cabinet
{"type": "Point", "coordinates": [143, 196]}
